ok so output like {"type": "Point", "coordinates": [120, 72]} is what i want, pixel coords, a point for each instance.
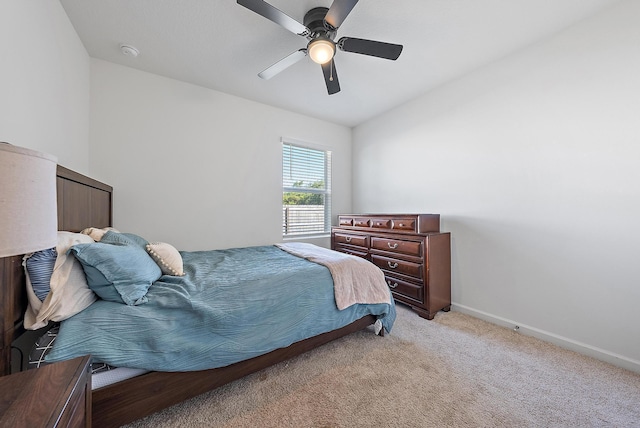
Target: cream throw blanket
{"type": "Point", "coordinates": [355, 280]}
{"type": "Point", "coordinates": [69, 293]}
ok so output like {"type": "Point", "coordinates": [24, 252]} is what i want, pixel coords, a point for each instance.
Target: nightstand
{"type": "Point", "coordinates": [55, 395]}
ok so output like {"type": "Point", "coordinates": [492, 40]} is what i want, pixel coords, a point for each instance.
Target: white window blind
{"type": "Point", "coordinates": [306, 190]}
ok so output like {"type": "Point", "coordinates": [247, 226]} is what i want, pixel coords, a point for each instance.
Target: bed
{"type": "Point", "coordinates": [82, 203]}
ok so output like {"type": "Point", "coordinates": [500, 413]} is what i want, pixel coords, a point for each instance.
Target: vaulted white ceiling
{"type": "Point", "coordinates": [221, 45]}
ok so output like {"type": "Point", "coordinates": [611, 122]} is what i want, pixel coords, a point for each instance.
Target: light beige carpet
{"type": "Point", "coordinates": [454, 371]}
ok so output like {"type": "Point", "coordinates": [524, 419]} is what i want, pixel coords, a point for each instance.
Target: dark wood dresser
{"type": "Point", "coordinates": [55, 395]}
{"type": "Point", "coordinates": [411, 251]}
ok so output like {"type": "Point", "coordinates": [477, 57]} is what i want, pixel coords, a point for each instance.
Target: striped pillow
{"type": "Point", "coordinates": [39, 268]}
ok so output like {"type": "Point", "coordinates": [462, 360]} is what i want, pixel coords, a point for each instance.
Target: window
{"type": "Point", "coordinates": [306, 190]}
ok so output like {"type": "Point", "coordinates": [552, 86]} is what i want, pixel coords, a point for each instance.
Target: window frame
{"type": "Point", "coordinates": [328, 165]}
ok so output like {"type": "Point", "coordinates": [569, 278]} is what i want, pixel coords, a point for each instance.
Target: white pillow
{"type": "Point", "coordinates": [167, 257]}
{"type": "Point", "coordinates": [69, 293]}
{"type": "Point", "coordinates": [97, 234]}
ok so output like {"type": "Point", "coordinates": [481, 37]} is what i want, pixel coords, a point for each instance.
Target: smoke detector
{"type": "Point", "coordinates": [129, 50]}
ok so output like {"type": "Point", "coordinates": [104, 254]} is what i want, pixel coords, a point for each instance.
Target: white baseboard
{"type": "Point", "coordinates": [563, 342]}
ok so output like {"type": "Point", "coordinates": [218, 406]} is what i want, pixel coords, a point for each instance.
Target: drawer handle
{"type": "Point", "coordinates": [392, 265]}
{"type": "Point", "coordinates": [394, 246]}
{"type": "Point", "coordinates": [394, 285]}
{"type": "Point", "coordinates": [347, 238]}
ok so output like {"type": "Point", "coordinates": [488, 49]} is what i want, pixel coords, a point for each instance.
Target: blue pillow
{"type": "Point", "coordinates": [117, 238]}
{"type": "Point", "coordinates": [119, 273]}
{"type": "Point", "coordinates": [40, 267]}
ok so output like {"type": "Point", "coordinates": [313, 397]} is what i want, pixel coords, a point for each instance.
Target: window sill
{"type": "Point", "coordinates": [306, 237]}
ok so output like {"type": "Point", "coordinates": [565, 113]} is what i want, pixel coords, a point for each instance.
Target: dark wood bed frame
{"type": "Point", "coordinates": [84, 202]}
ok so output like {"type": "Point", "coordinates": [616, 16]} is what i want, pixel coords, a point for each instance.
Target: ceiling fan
{"type": "Point", "coordinates": [320, 26]}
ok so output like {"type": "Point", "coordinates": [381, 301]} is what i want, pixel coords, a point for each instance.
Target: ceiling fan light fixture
{"type": "Point", "coordinates": [321, 50]}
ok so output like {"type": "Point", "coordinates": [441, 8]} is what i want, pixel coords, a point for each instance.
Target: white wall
{"type": "Point", "coordinates": [534, 164]}
{"type": "Point", "coordinates": [44, 82]}
{"type": "Point", "coordinates": [195, 167]}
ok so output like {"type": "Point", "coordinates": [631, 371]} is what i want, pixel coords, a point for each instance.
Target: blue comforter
{"type": "Point", "coordinates": [230, 306]}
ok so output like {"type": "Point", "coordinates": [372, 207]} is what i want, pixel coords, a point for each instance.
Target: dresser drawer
{"type": "Point", "coordinates": [381, 223]}
{"type": "Point", "coordinates": [345, 221]}
{"type": "Point", "coordinates": [403, 224]}
{"type": "Point", "coordinates": [351, 239]}
{"type": "Point", "coordinates": [412, 248]}
{"type": "Point", "coordinates": [354, 251]}
{"type": "Point", "coordinates": [398, 266]}
{"type": "Point", "coordinates": [405, 288]}
{"type": "Point", "coordinates": [399, 223]}
{"type": "Point", "coordinates": [408, 224]}
{"type": "Point", "coordinates": [361, 222]}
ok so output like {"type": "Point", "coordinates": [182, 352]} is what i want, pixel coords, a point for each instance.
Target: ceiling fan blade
{"type": "Point", "coordinates": [370, 47]}
{"type": "Point", "coordinates": [338, 11]}
{"type": "Point", "coordinates": [331, 77]}
{"type": "Point", "coordinates": [285, 62]}
{"type": "Point", "coordinates": [276, 15]}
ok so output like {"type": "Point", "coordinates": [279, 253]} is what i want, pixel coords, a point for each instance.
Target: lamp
{"type": "Point", "coordinates": [321, 50]}
{"type": "Point", "coordinates": [28, 204]}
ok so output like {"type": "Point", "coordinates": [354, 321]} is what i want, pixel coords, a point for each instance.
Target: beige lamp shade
{"type": "Point", "coordinates": [28, 205]}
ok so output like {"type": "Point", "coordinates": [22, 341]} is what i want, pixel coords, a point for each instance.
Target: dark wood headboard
{"type": "Point", "coordinates": [82, 202]}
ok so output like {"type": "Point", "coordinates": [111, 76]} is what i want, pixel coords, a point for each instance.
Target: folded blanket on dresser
{"type": "Point", "coordinates": [355, 280]}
